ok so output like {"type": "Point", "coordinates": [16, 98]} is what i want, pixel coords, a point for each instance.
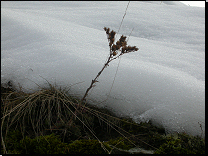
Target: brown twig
{"type": "Point", "coordinates": [120, 46]}
{"type": "Point", "coordinates": [116, 50]}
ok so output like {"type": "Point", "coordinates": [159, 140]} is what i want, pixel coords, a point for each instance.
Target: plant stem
{"type": "Point", "coordinates": [91, 85]}
{"type": "Point", "coordinates": [95, 80]}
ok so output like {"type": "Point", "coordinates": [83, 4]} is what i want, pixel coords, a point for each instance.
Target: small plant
{"type": "Point", "coordinates": [116, 50]}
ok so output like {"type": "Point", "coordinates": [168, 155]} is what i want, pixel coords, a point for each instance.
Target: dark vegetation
{"type": "Point", "coordinates": [106, 134]}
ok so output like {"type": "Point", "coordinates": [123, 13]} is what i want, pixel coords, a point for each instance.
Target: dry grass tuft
{"type": "Point", "coordinates": [48, 109]}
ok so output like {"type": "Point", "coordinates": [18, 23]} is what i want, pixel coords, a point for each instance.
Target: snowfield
{"type": "Point", "coordinates": [64, 42]}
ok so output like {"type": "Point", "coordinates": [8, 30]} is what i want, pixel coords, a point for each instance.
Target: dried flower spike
{"type": "Point", "coordinates": [114, 53]}
{"type": "Point", "coordinates": [121, 44]}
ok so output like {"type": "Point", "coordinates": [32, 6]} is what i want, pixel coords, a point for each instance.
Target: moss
{"type": "Point", "coordinates": [87, 147]}
{"type": "Point", "coordinates": [172, 147]}
{"type": "Point", "coordinates": [146, 133]}
{"type": "Point", "coordinates": [12, 140]}
{"type": "Point", "coordinates": [194, 143]}
{"type": "Point", "coordinates": [49, 144]}
{"type": "Point", "coordinates": [121, 143]}
{"type": "Point", "coordinates": [183, 144]}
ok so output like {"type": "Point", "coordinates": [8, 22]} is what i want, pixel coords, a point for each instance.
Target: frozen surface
{"type": "Point", "coordinates": [64, 42]}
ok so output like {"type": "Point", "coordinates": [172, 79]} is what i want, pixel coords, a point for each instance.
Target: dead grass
{"type": "Point", "coordinates": [48, 109]}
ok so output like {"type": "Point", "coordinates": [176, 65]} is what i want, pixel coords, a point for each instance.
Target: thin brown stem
{"type": "Point", "coordinates": [116, 50]}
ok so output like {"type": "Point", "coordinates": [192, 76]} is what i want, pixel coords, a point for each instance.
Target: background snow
{"type": "Point", "coordinates": [65, 43]}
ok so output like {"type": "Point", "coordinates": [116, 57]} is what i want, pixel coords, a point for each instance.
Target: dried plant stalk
{"type": "Point", "coordinates": [116, 50]}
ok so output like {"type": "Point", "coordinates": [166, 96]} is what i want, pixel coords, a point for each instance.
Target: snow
{"type": "Point", "coordinates": [64, 43]}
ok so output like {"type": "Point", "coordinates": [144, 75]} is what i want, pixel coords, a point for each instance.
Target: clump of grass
{"type": "Point", "coordinates": [50, 110]}
{"type": "Point", "coordinates": [44, 109]}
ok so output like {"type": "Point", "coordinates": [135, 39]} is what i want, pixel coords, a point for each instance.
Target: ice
{"type": "Point", "coordinates": [64, 43]}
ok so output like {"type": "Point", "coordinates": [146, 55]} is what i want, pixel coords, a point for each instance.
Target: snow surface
{"type": "Point", "coordinates": [64, 42]}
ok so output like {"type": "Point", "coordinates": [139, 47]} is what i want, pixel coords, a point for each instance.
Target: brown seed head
{"type": "Point", "coordinates": [124, 43]}
{"type": "Point", "coordinates": [114, 47]}
{"type": "Point", "coordinates": [106, 30]}
{"type": "Point", "coordinates": [114, 53]}
{"type": "Point", "coordinates": [122, 50]}
{"type": "Point", "coordinates": [122, 38]}
{"type": "Point", "coordinates": [118, 43]}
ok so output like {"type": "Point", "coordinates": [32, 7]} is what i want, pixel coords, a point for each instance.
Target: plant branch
{"type": "Point", "coordinates": [116, 50]}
